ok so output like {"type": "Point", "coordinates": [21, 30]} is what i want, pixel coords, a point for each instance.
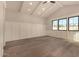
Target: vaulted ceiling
{"type": "Point", "coordinates": [37, 8]}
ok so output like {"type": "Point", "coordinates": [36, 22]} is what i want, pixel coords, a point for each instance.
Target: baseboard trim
{"type": "Point", "coordinates": [27, 38]}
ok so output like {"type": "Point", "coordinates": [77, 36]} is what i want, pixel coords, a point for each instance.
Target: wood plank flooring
{"type": "Point", "coordinates": [45, 46]}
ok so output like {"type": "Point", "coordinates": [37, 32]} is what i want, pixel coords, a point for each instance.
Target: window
{"type": "Point", "coordinates": [73, 23]}
{"type": "Point", "coordinates": [62, 24]}
{"type": "Point", "coordinates": [55, 24]}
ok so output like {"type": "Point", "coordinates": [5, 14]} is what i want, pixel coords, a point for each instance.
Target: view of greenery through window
{"type": "Point", "coordinates": [73, 23]}
{"type": "Point", "coordinates": [61, 24]}
{"type": "Point", "coordinates": [55, 25]}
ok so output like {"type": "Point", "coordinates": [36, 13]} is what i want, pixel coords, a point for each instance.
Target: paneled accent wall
{"type": "Point", "coordinates": [20, 30]}
{"type": "Point", "coordinates": [16, 30]}
{"type": "Point", "coordinates": [20, 26]}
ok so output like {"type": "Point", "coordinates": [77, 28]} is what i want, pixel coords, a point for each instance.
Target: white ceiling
{"type": "Point", "coordinates": [36, 8]}
{"type": "Point", "coordinates": [13, 6]}
{"type": "Point", "coordinates": [68, 2]}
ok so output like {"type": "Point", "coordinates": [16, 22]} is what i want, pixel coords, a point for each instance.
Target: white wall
{"type": "Point", "coordinates": [1, 27]}
{"type": "Point", "coordinates": [63, 12]}
{"type": "Point", "coordinates": [20, 26]}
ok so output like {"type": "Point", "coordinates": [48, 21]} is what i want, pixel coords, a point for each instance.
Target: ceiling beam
{"type": "Point", "coordinates": [36, 7]}
{"type": "Point", "coordinates": [45, 10]}
{"type": "Point", "coordinates": [20, 7]}
{"type": "Point", "coordinates": [57, 3]}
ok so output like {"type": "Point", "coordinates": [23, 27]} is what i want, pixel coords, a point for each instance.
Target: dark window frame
{"type": "Point", "coordinates": [66, 24]}
{"type": "Point", "coordinates": [52, 25]}
{"type": "Point", "coordinates": [78, 23]}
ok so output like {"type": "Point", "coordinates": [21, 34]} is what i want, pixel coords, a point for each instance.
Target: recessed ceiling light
{"type": "Point", "coordinates": [29, 9]}
{"type": "Point", "coordinates": [30, 3]}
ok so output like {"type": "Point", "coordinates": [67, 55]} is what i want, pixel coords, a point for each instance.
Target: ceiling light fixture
{"type": "Point", "coordinates": [49, 1]}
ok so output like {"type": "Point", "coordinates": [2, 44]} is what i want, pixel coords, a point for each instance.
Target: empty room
{"type": "Point", "coordinates": [39, 28]}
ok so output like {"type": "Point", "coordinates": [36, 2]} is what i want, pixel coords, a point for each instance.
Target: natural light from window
{"type": "Point", "coordinates": [55, 25]}
{"type": "Point", "coordinates": [73, 23]}
{"type": "Point", "coordinates": [62, 24]}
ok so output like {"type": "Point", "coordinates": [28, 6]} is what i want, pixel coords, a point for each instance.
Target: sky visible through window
{"type": "Point", "coordinates": [62, 24]}
{"type": "Point", "coordinates": [73, 23]}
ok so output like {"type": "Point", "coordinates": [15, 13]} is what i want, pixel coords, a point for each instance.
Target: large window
{"type": "Point", "coordinates": [73, 23]}
{"type": "Point", "coordinates": [70, 23]}
{"type": "Point", "coordinates": [62, 24]}
{"type": "Point", "coordinates": [55, 24]}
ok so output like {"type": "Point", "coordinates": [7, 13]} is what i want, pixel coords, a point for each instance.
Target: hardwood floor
{"type": "Point", "coordinates": [45, 46]}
